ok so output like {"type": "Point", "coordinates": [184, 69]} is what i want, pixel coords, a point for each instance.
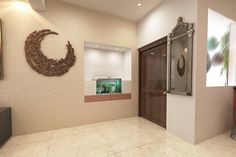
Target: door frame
{"type": "Point", "coordinates": [140, 51]}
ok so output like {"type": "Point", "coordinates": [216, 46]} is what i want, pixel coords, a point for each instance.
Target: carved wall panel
{"type": "Point", "coordinates": [41, 63]}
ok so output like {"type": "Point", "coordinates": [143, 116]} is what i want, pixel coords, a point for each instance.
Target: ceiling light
{"type": "Point", "coordinates": [139, 4]}
{"type": "Point", "coordinates": [21, 5]}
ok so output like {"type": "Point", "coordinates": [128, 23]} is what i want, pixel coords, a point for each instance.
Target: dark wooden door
{"type": "Point", "coordinates": [152, 81]}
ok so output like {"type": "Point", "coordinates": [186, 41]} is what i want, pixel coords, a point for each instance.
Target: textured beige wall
{"type": "Point", "coordinates": [159, 23]}
{"type": "Point", "coordinates": [213, 105]}
{"type": "Point", "coordinates": [42, 103]}
{"type": "Point", "coordinates": [209, 111]}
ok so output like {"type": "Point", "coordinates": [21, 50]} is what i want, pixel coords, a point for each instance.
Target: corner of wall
{"type": "Point", "coordinates": [213, 104]}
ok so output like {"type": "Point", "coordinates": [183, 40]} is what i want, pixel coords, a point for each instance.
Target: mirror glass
{"type": "Point", "coordinates": [179, 64]}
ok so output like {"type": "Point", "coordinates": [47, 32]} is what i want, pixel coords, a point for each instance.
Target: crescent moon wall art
{"type": "Point", "coordinates": [41, 63]}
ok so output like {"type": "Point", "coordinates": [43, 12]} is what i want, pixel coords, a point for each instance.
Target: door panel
{"type": "Point", "coordinates": [153, 72]}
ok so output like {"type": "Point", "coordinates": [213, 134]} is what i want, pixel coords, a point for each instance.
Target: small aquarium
{"type": "Point", "coordinates": [104, 86]}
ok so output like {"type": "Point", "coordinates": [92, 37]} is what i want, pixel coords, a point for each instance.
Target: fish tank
{"type": "Point", "coordinates": [110, 85]}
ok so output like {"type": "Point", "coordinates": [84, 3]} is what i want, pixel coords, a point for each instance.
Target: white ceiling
{"type": "Point", "coordinates": [127, 9]}
{"type": "Point", "coordinates": [106, 47]}
{"type": "Point", "coordinates": [37, 4]}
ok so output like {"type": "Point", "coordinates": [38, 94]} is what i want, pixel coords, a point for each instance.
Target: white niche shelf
{"type": "Point", "coordinates": [103, 61]}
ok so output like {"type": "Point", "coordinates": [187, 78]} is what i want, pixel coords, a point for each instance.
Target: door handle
{"type": "Point", "coordinates": [164, 92]}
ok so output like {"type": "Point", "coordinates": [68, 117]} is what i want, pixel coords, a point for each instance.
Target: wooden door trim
{"type": "Point", "coordinates": [141, 50]}
{"type": "Point", "coordinates": [153, 44]}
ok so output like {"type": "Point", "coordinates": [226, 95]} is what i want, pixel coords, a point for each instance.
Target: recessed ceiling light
{"type": "Point", "coordinates": [21, 5]}
{"type": "Point", "coordinates": [139, 4]}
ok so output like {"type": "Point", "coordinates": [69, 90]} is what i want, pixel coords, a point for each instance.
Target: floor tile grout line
{"type": "Point", "coordinates": [50, 144]}
{"type": "Point", "coordinates": [142, 145]}
{"type": "Point", "coordinates": [157, 139]}
{"type": "Point", "coordinates": [111, 152]}
{"type": "Point", "coordinates": [107, 142]}
{"type": "Point", "coordinates": [52, 132]}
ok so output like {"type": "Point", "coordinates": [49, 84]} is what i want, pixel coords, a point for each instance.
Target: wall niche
{"type": "Point", "coordinates": [107, 72]}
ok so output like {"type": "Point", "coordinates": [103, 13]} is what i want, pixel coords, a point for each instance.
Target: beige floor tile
{"type": "Point", "coordinates": [63, 132]}
{"type": "Point", "coordinates": [211, 149]}
{"type": "Point", "coordinates": [79, 139]}
{"type": "Point", "coordinates": [120, 142]}
{"type": "Point", "coordinates": [35, 149]}
{"type": "Point", "coordinates": [116, 155]}
{"type": "Point", "coordinates": [24, 139]}
{"type": "Point", "coordinates": [224, 140]}
{"type": "Point", "coordinates": [131, 137]}
{"type": "Point", "coordinates": [108, 125]}
{"type": "Point", "coordinates": [177, 144]}
{"type": "Point", "coordinates": [74, 130]}
{"type": "Point", "coordinates": [5, 152]}
{"type": "Point", "coordinates": [152, 150]}
{"type": "Point", "coordinates": [81, 147]}
{"type": "Point", "coordinates": [122, 137]}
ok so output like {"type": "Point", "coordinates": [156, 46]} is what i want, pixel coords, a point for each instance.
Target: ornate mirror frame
{"type": "Point", "coordinates": [179, 59]}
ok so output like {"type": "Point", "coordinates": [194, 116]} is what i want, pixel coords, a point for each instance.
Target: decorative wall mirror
{"type": "Point", "coordinates": [179, 62]}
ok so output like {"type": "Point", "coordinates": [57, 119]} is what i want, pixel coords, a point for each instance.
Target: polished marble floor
{"type": "Point", "coordinates": [131, 137]}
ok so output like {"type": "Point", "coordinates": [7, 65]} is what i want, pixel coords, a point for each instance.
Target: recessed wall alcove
{"type": "Point", "coordinates": [107, 72]}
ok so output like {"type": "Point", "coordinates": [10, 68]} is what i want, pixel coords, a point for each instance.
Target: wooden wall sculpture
{"type": "Point", "coordinates": [41, 63]}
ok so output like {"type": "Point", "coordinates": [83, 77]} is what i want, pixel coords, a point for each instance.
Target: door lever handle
{"type": "Point", "coordinates": [165, 92]}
